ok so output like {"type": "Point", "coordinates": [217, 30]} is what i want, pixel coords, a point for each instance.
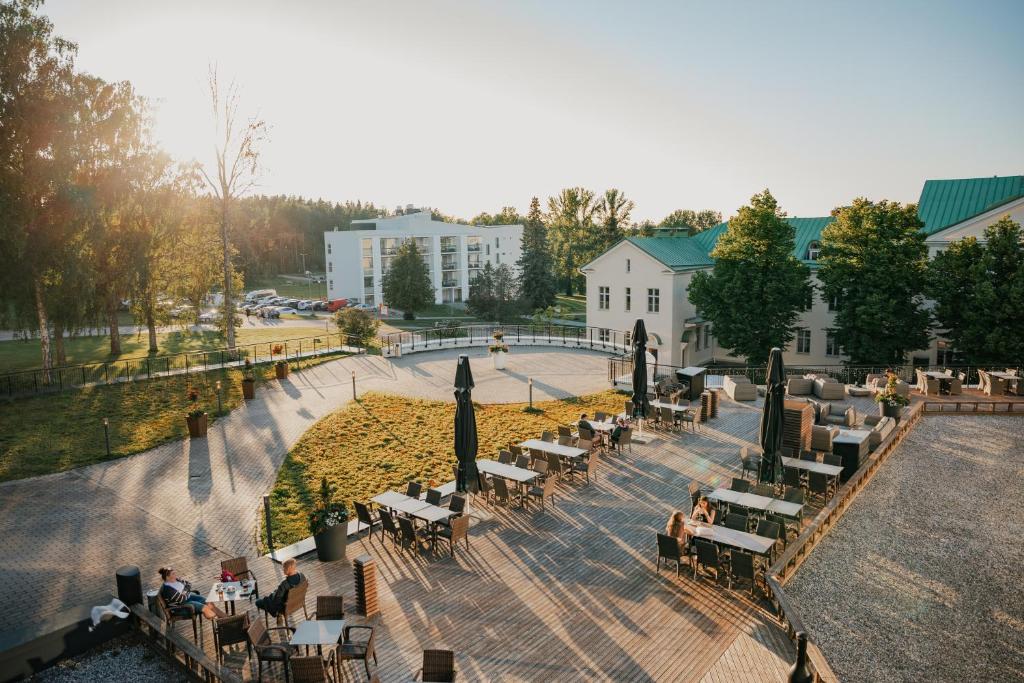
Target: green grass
{"type": "Point", "coordinates": [381, 442]}
{"type": "Point", "coordinates": [572, 307]}
{"type": "Point", "coordinates": [24, 354]}
{"type": "Point", "coordinates": [289, 288]}
{"type": "Point", "coordinates": [58, 432]}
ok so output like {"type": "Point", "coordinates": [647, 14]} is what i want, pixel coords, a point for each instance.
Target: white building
{"type": "Point", "coordinates": [648, 277]}
{"type": "Point", "coordinates": [357, 259]}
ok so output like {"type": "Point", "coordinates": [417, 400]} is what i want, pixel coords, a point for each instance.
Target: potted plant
{"type": "Point", "coordinates": [248, 381]}
{"type": "Point", "coordinates": [328, 523]}
{"type": "Point", "coordinates": [196, 416]}
{"type": "Point", "coordinates": [498, 350]}
{"type": "Point", "coordinates": [890, 401]}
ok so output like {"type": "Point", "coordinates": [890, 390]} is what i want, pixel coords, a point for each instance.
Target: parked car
{"type": "Point", "coordinates": [365, 307]}
{"type": "Point", "coordinates": [320, 306]}
{"type": "Point", "coordinates": [276, 301]}
{"type": "Point", "coordinates": [335, 304]}
{"type": "Point", "coordinates": [286, 310]}
{"type": "Point", "coordinates": [258, 294]}
{"type": "Point", "coordinates": [306, 305]}
{"type": "Point", "coordinates": [268, 312]}
{"type": "Point", "coordinates": [291, 302]}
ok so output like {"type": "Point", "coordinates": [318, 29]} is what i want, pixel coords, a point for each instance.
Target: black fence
{"type": "Point", "coordinates": [575, 336]}
{"type": "Point", "coordinates": [32, 382]}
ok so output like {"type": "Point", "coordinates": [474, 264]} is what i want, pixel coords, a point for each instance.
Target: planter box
{"type": "Point", "coordinates": [196, 426]}
{"type": "Point", "coordinates": [281, 371]}
{"type": "Point", "coordinates": [248, 388]}
{"type": "Point", "coordinates": [499, 360]}
{"type": "Point", "coordinates": [332, 543]}
{"type": "Point", "coordinates": [886, 410]}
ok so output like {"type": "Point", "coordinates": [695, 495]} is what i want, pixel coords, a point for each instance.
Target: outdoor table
{"type": "Point", "coordinates": [945, 381]}
{"type": "Point", "coordinates": [410, 506]}
{"type": "Point", "coordinates": [242, 591]}
{"type": "Point", "coordinates": [756, 502]}
{"type": "Point", "coordinates": [1012, 381]}
{"type": "Point", "coordinates": [674, 407]}
{"type": "Point", "coordinates": [556, 448]}
{"type": "Point", "coordinates": [605, 427]}
{"type": "Point", "coordinates": [432, 514]}
{"type": "Point", "coordinates": [731, 537]}
{"type": "Point", "coordinates": [812, 466]}
{"type": "Point", "coordinates": [318, 632]}
{"type": "Point", "coordinates": [852, 446]}
{"type": "Point", "coordinates": [499, 469]}
{"type": "Point", "coordinates": [389, 498]}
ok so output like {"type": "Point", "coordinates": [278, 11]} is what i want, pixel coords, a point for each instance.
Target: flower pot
{"type": "Point", "coordinates": [331, 543]}
{"type": "Point", "coordinates": [281, 371]}
{"type": "Point", "coordinates": [248, 388]}
{"type": "Point", "coordinates": [499, 360]}
{"type": "Point", "coordinates": [890, 410]}
{"type": "Point", "coordinates": [196, 425]}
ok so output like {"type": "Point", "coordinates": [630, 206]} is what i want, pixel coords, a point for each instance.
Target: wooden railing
{"type": "Point", "coordinates": [797, 551]}
{"type": "Point", "coordinates": [958, 407]}
{"type": "Point", "coordinates": [179, 649]}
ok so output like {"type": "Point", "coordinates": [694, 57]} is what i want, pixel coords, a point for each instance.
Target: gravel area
{"type": "Point", "coordinates": [122, 660]}
{"type": "Point", "coordinates": [921, 578]}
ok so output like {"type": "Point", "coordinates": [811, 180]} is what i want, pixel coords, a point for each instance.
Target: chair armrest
{"type": "Point", "coordinates": [349, 629]}
{"type": "Point", "coordinates": [283, 649]}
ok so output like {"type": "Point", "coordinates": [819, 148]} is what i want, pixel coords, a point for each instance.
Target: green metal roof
{"type": "Point", "coordinates": [678, 252]}
{"type": "Point", "coordinates": [947, 202]}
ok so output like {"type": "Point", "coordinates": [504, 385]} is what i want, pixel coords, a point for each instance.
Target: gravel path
{"type": "Point", "coordinates": [921, 579]}
{"type": "Point", "coordinates": [124, 660]}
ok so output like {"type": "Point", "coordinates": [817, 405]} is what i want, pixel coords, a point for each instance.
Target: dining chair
{"type": "Point", "coordinates": [433, 497]}
{"type": "Point", "coordinates": [413, 489]}
{"type": "Point", "coordinates": [523, 461]}
{"type": "Point", "coordinates": [505, 457]}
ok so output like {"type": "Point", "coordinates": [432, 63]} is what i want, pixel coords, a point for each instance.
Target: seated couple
{"type": "Point", "coordinates": [676, 526]}
{"type": "Point", "coordinates": [182, 600]}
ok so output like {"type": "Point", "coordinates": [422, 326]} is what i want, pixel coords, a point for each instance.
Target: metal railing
{"type": "Point", "coordinates": [24, 383]}
{"type": "Point", "coordinates": [597, 339]}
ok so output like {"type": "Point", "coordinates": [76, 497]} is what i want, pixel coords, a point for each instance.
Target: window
{"type": "Point", "coordinates": [330, 266]}
{"type": "Point", "coordinates": [603, 298]}
{"type": "Point", "coordinates": [831, 345]}
{"type": "Point", "coordinates": [803, 340]}
{"type": "Point", "coordinates": [628, 299]}
{"type": "Point", "coordinates": [697, 338]}
{"type": "Point", "coordinates": [473, 244]}
{"type": "Point", "coordinates": [488, 247]}
{"type": "Point", "coordinates": [328, 247]}
{"type": "Point", "coordinates": [833, 303]}
{"type": "Point", "coordinates": [448, 245]}
{"type": "Point", "coordinates": [368, 281]}
{"type": "Point", "coordinates": [653, 300]}
{"type": "Point", "coordinates": [707, 336]}
{"type": "Point", "coordinates": [498, 259]}
{"type": "Point", "coordinates": [813, 250]}
{"type": "Point", "coordinates": [603, 335]}
{"type": "Point", "coordinates": [627, 265]}
{"type": "Point", "coordinates": [330, 284]}
{"type": "Point", "coordinates": [497, 242]}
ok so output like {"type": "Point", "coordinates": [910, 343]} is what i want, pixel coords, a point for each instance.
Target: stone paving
{"type": "Point", "coordinates": [191, 503]}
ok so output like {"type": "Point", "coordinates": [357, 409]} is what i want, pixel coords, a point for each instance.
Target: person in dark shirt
{"type": "Point", "coordinates": [274, 603]}
{"type": "Point", "coordinates": [583, 424]}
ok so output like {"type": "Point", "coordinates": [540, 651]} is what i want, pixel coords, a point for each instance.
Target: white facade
{"type": "Point", "coordinates": [357, 259]}
{"type": "Point", "coordinates": [974, 227]}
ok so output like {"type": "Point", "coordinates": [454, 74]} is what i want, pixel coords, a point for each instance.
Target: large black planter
{"type": "Point", "coordinates": [331, 544]}
{"type": "Point", "coordinates": [889, 410]}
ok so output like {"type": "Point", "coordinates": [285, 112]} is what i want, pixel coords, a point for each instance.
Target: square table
{"type": "Point", "coordinates": [409, 505]}
{"type": "Point", "coordinates": [243, 589]}
{"type": "Point", "coordinates": [389, 498]}
{"type": "Point", "coordinates": [432, 514]}
{"type": "Point", "coordinates": [318, 632]}
{"type": "Point", "coordinates": [945, 381]}
{"type": "Point", "coordinates": [852, 446]}
{"type": "Point", "coordinates": [1012, 381]}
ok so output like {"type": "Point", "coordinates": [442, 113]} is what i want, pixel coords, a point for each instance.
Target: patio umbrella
{"type": "Point", "coordinates": [772, 418]}
{"type": "Point", "coordinates": [641, 406]}
{"type": "Point", "coordinates": [465, 425]}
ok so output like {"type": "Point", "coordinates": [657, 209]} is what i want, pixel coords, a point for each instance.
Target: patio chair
{"type": "Point", "coordinates": [554, 465]}
{"type": "Point", "coordinates": [628, 405]}
{"type": "Point", "coordinates": [541, 468]}
{"type": "Point", "coordinates": [820, 484]}
{"type": "Point", "coordinates": [584, 467]}
{"type": "Point", "coordinates": [516, 449]}
{"type": "Point", "coordinates": [626, 439]}
{"type": "Point", "coordinates": [484, 487]}
{"type": "Point", "coordinates": [547, 436]}
{"type": "Point", "coordinates": [173, 615]}
{"type": "Point", "coordinates": [668, 418]}
{"type": "Point", "coordinates": [585, 444]}
{"type": "Point", "coordinates": [294, 601]}
{"type": "Point", "coordinates": [456, 530]}
{"type": "Point", "coordinates": [565, 441]}
{"type": "Point", "coordinates": [931, 386]}
{"type": "Point", "coordinates": [996, 386]}
{"type": "Point", "coordinates": [831, 459]}
{"type": "Point", "coordinates": [350, 650]}
{"type": "Point", "coordinates": [736, 521]}
{"type": "Point", "coordinates": [505, 457]}
{"type": "Point", "coordinates": [229, 631]}
{"type": "Point", "coordinates": [266, 649]}
{"type": "Point", "coordinates": [407, 533]}
{"type": "Point", "coordinates": [708, 556]}
{"type": "Point", "coordinates": [457, 503]}
{"type": "Point", "coordinates": [312, 668]}
{"type": "Point", "coordinates": [387, 526]}
{"type": "Point", "coordinates": [413, 489]}
{"type": "Point", "coordinates": [769, 529]}
{"type": "Point", "coordinates": [654, 418]}
{"type": "Point", "coordinates": [741, 485]}
{"type": "Point", "coordinates": [750, 463]}
{"type": "Point", "coordinates": [766, 490]}
{"type": "Point", "coordinates": [809, 456]}
{"type": "Point", "coordinates": [669, 550]}
{"type": "Point", "coordinates": [503, 493]}
{"type": "Point", "coordinates": [601, 416]}
{"type": "Point", "coordinates": [564, 431]}
{"type": "Point", "coordinates": [743, 568]}
{"type": "Point", "coordinates": [523, 461]}
{"type": "Point", "coordinates": [791, 476]}
{"type": "Point", "coordinates": [793, 494]}
{"type": "Point", "coordinates": [433, 497]}
{"type": "Point", "coordinates": [587, 434]}
{"type": "Point", "coordinates": [542, 492]}
{"type": "Point", "coordinates": [239, 568]}
{"type": "Point", "coordinates": [784, 525]}
{"type": "Point", "coordinates": [695, 418]}
{"type": "Point", "coordinates": [438, 665]}
{"type": "Point", "coordinates": [694, 489]}
{"type": "Point", "coordinates": [364, 516]}
{"type": "Point", "coordinates": [329, 608]}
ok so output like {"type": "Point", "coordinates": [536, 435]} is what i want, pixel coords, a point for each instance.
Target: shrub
{"type": "Point", "coordinates": [361, 326]}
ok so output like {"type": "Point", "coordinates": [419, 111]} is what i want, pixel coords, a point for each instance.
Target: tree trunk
{"type": "Point", "coordinates": [151, 325]}
{"type": "Point", "coordinates": [44, 330]}
{"type": "Point", "coordinates": [229, 309]}
{"type": "Point", "coordinates": [115, 329]}
{"type": "Point", "coordinates": [570, 263]}
{"type": "Point", "coordinates": [59, 354]}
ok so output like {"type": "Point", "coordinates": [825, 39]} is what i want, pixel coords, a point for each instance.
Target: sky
{"type": "Point", "coordinates": [470, 106]}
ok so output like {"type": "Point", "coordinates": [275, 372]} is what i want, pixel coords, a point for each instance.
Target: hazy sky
{"type": "Point", "coordinates": [470, 106]}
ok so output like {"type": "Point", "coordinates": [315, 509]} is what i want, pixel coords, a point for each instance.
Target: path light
{"type": "Point", "coordinates": [353, 385]}
{"type": "Point", "coordinates": [531, 393]}
{"type": "Point", "coordinates": [106, 434]}
{"type": "Point", "coordinates": [220, 408]}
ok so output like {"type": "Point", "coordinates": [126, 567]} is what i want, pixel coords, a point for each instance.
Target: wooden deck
{"type": "Point", "coordinates": [571, 593]}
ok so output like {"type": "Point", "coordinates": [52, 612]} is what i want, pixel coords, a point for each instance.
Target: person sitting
{"type": "Point", "coordinates": [274, 603]}
{"type": "Point", "coordinates": [703, 512]}
{"type": "Point", "coordinates": [676, 527]}
{"type": "Point", "coordinates": [616, 433]}
{"type": "Point", "coordinates": [181, 599]}
{"type": "Point", "coordinates": [583, 424]}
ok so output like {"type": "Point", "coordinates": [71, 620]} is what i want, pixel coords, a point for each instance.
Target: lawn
{"type": "Point", "coordinates": [295, 289]}
{"type": "Point", "coordinates": [382, 442]}
{"type": "Point", "coordinates": [572, 307]}
{"type": "Point", "coordinates": [24, 354]}
{"type": "Point", "coordinates": [58, 432]}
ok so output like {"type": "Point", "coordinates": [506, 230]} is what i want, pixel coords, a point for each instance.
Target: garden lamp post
{"type": "Point", "coordinates": [531, 393]}
{"type": "Point", "coordinates": [220, 408]}
{"type": "Point", "coordinates": [353, 385]}
{"type": "Point", "coordinates": [106, 434]}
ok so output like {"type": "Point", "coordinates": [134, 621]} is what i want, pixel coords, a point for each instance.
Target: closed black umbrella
{"type": "Point", "coordinates": [465, 425]}
{"type": "Point", "coordinates": [641, 406]}
{"type": "Point", "coordinates": [772, 419]}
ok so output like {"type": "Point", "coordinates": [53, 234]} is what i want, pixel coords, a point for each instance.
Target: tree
{"type": "Point", "coordinates": [754, 294]}
{"type": "Point", "coordinates": [570, 219]}
{"type": "Point", "coordinates": [872, 262]}
{"type": "Point", "coordinates": [612, 213]}
{"type": "Point", "coordinates": [690, 220]}
{"type": "Point", "coordinates": [507, 216]}
{"type": "Point", "coordinates": [493, 294]}
{"type": "Point", "coordinates": [978, 291]}
{"type": "Point", "coordinates": [237, 156]}
{"type": "Point", "coordinates": [197, 266]}
{"type": "Point", "coordinates": [407, 284]}
{"type": "Point", "coordinates": [361, 326]}
{"type": "Point", "coordinates": [536, 267]}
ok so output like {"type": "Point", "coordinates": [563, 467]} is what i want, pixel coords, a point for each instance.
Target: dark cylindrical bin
{"type": "Point", "coordinates": [129, 585]}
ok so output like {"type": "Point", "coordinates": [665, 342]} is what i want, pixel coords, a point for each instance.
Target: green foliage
{"type": "Point", "coordinates": [890, 396]}
{"type": "Point", "coordinates": [570, 220]}
{"type": "Point", "coordinates": [978, 291]}
{"type": "Point", "coordinates": [873, 259]}
{"type": "Point", "coordinates": [493, 294]}
{"type": "Point", "coordinates": [536, 266]}
{"type": "Point", "coordinates": [407, 285]}
{"type": "Point", "coordinates": [691, 221]}
{"type": "Point", "coordinates": [507, 216]}
{"type": "Point", "coordinates": [360, 325]}
{"type": "Point", "coordinates": [328, 512]}
{"type": "Point", "coordinates": [754, 294]}
{"type": "Point", "coordinates": [612, 214]}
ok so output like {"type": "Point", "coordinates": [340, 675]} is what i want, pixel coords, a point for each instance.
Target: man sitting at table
{"type": "Point", "coordinates": [274, 604]}
{"type": "Point", "coordinates": [583, 424]}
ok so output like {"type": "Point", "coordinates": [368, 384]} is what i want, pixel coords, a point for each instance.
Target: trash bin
{"type": "Point", "coordinates": [129, 585]}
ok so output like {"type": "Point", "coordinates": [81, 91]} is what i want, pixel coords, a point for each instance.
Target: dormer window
{"type": "Point", "coordinates": [813, 250]}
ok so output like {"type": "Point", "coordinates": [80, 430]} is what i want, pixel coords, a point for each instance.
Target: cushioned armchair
{"type": "Point", "coordinates": [829, 390]}
{"type": "Point", "coordinates": [881, 427]}
{"type": "Point", "coordinates": [821, 438]}
{"type": "Point", "coordinates": [739, 388]}
{"type": "Point", "coordinates": [799, 386]}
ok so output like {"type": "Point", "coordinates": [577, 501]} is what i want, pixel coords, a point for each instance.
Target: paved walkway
{"type": "Point", "coordinates": [188, 503]}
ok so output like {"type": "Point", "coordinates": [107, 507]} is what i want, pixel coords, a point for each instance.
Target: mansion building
{"type": "Point", "coordinates": [649, 277]}
{"type": "Point", "coordinates": [357, 259]}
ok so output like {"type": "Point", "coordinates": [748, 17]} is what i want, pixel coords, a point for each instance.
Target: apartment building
{"type": "Point", "coordinates": [357, 259]}
{"type": "Point", "coordinates": [649, 277]}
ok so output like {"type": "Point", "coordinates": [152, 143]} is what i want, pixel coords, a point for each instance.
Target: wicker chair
{"type": "Point", "coordinates": [708, 556]}
{"type": "Point", "coordinates": [329, 607]}
{"type": "Point", "coordinates": [542, 492]}
{"type": "Point", "coordinates": [547, 436]}
{"type": "Point", "coordinates": [239, 568]}
{"type": "Point", "coordinates": [505, 457]}
{"type": "Point", "coordinates": [364, 516]}
{"type": "Point", "coordinates": [261, 642]}
{"type": "Point", "coordinates": [670, 551]}
{"type": "Point", "coordinates": [433, 497]}
{"type": "Point", "coordinates": [183, 613]}
{"type": "Point", "coordinates": [484, 487]}
{"type": "Point", "coordinates": [584, 467]}
{"type": "Point", "coordinates": [694, 417]}
{"type": "Point", "coordinates": [438, 665]}
{"type": "Point", "coordinates": [413, 489]}
{"type": "Point", "coordinates": [352, 650]}
{"type": "Point", "coordinates": [456, 530]}
{"type": "Point", "coordinates": [749, 462]}
{"type": "Point", "coordinates": [407, 533]}
{"type": "Point", "coordinates": [523, 461]}
{"type": "Point", "coordinates": [230, 631]}
{"type": "Point", "coordinates": [295, 601]}
{"type": "Point", "coordinates": [312, 669]}
{"type": "Point", "coordinates": [741, 485]}
{"type": "Point", "coordinates": [387, 526]}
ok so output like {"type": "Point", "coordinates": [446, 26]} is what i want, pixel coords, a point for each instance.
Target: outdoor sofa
{"type": "Point", "coordinates": [881, 427]}
{"type": "Point", "coordinates": [739, 388]}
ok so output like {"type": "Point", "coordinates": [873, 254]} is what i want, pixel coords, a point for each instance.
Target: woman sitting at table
{"type": "Point", "coordinates": [676, 527]}
{"type": "Point", "coordinates": [616, 434]}
{"type": "Point", "coordinates": [703, 512]}
{"type": "Point", "coordinates": [179, 597]}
